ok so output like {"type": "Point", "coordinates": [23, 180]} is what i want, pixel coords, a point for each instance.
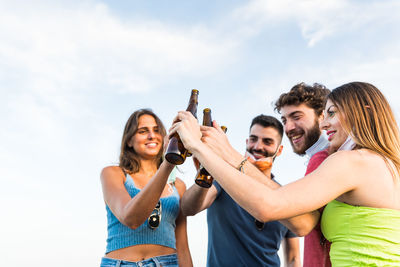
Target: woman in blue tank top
{"type": "Point", "coordinates": [145, 226]}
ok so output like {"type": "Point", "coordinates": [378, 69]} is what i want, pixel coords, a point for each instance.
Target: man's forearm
{"type": "Point", "coordinates": [301, 225]}
{"type": "Point", "coordinates": [291, 252]}
{"type": "Point", "coordinates": [193, 200]}
{"type": "Point", "coordinates": [296, 262]}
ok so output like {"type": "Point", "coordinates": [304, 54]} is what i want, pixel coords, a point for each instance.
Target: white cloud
{"type": "Point", "coordinates": [77, 48]}
{"type": "Point", "coordinates": [317, 19]}
{"type": "Point", "coordinates": [381, 71]}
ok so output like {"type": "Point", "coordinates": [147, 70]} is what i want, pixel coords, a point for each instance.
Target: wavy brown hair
{"type": "Point", "coordinates": [129, 160]}
{"type": "Point", "coordinates": [369, 120]}
{"type": "Point", "coordinates": [313, 96]}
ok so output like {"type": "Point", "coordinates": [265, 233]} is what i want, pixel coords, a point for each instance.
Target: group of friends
{"type": "Point", "coordinates": [347, 206]}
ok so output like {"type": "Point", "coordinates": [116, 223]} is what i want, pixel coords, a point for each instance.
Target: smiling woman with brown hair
{"type": "Point", "coordinates": [360, 183]}
{"type": "Point", "coordinates": [145, 226]}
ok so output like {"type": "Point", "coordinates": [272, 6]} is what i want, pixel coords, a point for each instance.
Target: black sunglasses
{"type": "Point", "coordinates": [155, 217]}
{"type": "Point", "coordinates": [259, 225]}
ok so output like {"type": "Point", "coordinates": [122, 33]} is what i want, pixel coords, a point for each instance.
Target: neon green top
{"type": "Point", "coordinates": [362, 236]}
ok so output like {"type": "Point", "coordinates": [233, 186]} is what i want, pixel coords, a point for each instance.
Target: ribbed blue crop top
{"type": "Point", "coordinates": [121, 236]}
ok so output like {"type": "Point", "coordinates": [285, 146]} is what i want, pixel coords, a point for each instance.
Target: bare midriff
{"type": "Point", "coordinates": [140, 252]}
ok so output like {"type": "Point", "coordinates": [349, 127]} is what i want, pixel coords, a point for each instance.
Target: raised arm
{"type": "Point", "coordinates": [217, 140]}
{"type": "Point", "coordinates": [264, 203]}
{"type": "Point", "coordinates": [132, 212]}
{"type": "Point", "coordinates": [197, 198]}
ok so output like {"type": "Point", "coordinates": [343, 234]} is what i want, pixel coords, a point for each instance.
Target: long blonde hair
{"type": "Point", "coordinates": [369, 120]}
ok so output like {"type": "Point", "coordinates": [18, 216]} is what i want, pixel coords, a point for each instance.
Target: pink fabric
{"type": "Point", "coordinates": [316, 247]}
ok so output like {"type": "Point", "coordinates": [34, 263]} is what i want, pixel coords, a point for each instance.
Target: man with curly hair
{"type": "Point", "coordinates": [301, 113]}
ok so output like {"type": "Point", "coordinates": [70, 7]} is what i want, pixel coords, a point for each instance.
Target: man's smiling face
{"type": "Point", "coordinates": [301, 126]}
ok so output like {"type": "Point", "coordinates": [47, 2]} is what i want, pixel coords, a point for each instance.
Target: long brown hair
{"type": "Point", "coordinates": [129, 160]}
{"type": "Point", "coordinates": [369, 120]}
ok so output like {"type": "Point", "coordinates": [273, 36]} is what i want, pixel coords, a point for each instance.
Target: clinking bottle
{"type": "Point", "coordinates": [203, 178]}
{"type": "Point", "coordinates": [176, 153]}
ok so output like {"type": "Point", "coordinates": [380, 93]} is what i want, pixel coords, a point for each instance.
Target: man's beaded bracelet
{"type": "Point", "coordinates": [240, 167]}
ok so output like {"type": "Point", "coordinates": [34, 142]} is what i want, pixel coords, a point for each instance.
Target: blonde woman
{"type": "Point", "coordinates": [145, 226]}
{"type": "Point", "coordinates": [359, 184]}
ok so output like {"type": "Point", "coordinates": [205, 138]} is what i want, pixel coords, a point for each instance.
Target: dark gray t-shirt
{"type": "Point", "coordinates": [234, 240]}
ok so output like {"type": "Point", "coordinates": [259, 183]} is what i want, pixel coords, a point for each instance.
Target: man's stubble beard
{"type": "Point", "coordinates": [311, 137]}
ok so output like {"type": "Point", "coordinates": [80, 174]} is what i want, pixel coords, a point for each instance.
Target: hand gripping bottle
{"type": "Point", "coordinates": [176, 152]}
{"type": "Point", "coordinates": [203, 178]}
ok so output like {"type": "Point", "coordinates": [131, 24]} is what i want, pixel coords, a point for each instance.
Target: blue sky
{"type": "Point", "coordinates": [71, 73]}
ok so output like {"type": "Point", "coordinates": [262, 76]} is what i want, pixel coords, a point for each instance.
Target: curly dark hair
{"type": "Point", "coordinates": [313, 96]}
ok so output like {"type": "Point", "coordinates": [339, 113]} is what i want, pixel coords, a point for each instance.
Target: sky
{"type": "Point", "coordinates": [71, 73]}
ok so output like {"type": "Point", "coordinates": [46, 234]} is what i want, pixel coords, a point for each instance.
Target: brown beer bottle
{"type": "Point", "coordinates": [176, 152]}
{"type": "Point", "coordinates": [203, 178]}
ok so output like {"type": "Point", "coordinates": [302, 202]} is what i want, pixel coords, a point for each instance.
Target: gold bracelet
{"type": "Point", "coordinates": [240, 167]}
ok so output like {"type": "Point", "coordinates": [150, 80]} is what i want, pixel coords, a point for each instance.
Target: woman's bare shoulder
{"type": "Point", "coordinates": [348, 162]}
{"type": "Point", "coordinates": [354, 156]}
{"type": "Point", "coordinates": [357, 162]}
{"type": "Point", "coordinates": [111, 171]}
